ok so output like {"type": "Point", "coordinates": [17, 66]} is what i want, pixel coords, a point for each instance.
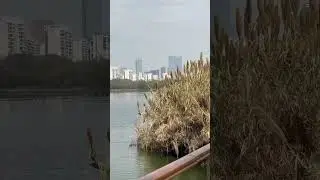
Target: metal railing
{"type": "Point", "coordinates": [180, 165]}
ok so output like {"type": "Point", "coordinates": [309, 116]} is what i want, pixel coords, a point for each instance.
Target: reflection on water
{"type": "Point", "coordinates": [126, 162]}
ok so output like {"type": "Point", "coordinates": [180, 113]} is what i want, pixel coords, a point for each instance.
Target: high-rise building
{"type": "Point", "coordinates": [59, 40]}
{"type": "Point", "coordinates": [174, 63]}
{"type": "Point", "coordinates": [12, 37]}
{"type": "Point", "coordinates": [84, 5]}
{"type": "Point", "coordinates": [155, 72]}
{"type": "Point", "coordinates": [138, 65]}
{"type": "Point", "coordinates": [91, 17]}
{"type": "Point", "coordinates": [114, 72]}
{"type": "Point", "coordinates": [32, 47]}
{"type": "Point", "coordinates": [4, 40]}
{"type": "Point", "coordinates": [106, 16]}
{"type": "Point", "coordinates": [37, 33]}
{"type": "Point", "coordinates": [37, 29]}
{"type": "Point", "coordinates": [163, 70]}
{"type": "Point", "coordinates": [99, 46]}
{"type": "Point", "coordinates": [80, 50]}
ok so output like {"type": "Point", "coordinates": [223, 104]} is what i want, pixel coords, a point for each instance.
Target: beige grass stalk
{"type": "Point", "coordinates": [267, 96]}
{"type": "Point", "coordinates": [176, 116]}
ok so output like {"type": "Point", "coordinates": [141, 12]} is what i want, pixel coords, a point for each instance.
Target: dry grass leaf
{"type": "Point", "coordinates": [177, 117]}
{"type": "Point", "coordinates": [267, 96]}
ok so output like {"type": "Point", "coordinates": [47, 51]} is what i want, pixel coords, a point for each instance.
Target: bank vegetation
{"type": "Point", "coordinates": [175, 118]}
{"type": "Point", "coordinates": [266, 94]}
{"type": "Point", "coordinates": [126, 84]}
{"type": "Point", "coordinates": [54, 72]}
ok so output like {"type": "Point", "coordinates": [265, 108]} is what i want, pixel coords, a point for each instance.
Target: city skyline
{"type": "Point", "coordinates": [174, 63]}
{"type": "Point", "coordinates": [171, 29]}
{"type": "Point", "coordinates": [18, 37]}
{"type": "Point", "coordinates": [155, 30]}
{"type": "Point", "coordinates": [139, 66]}
{"type": "Point", "coordinates": [86, 36]}
{"type": "Point", "coordinates": [61, 12]}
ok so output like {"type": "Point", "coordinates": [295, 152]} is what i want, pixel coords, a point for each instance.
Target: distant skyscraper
{"type": "Point", "coordinates": [138, 65]}
{"type": "Point", "coordinates": [59, 41]}
{"type": "Point", "coordinates": [99, 46]}
{"type": "Point", "coordinates": [37, 30]}
{"type": "Point", "coordinates": [155, 72]}
{"type": "Point", "coordinates": [91, 17]}
{"type": "Point", "coordinates": [80, 50]}
{"type": "Point", "coordinates": [174, 63]}
{"type": "Point", "coordinates": [84, 4]}
{"type": "Point", "coordinates": [163, 70]}
{"type": "Point", "coordinates": [12, 37]}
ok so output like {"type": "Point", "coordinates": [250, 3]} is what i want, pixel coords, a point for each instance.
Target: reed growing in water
{"type": "Point", "coordinates": [175, 119]}
{"type": "Point", "coordinates": [266, 95]}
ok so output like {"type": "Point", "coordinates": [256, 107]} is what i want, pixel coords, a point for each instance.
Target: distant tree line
{"type": "Point", "coordinates": [53, 72]}
{"type": "Point", "coordinates": [129, 84]}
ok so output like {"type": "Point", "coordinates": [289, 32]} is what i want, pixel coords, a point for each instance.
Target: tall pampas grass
{"type": "Point", "coordinates": [267, 94]}
{"type": "Point", "coordinates": [175, 119]}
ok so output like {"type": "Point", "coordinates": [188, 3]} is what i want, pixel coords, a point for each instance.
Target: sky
{"type": "Point", "coordinates": [67, 12]}
{"type": "Point", "coordinates": [156, 29]}
{"type": "Point", "coordinates": [150, 29]}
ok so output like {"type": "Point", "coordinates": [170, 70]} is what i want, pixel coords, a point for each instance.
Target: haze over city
{"type": "Point", "coordinates": [154, 30]}
{"type": "Point", "coordinates": [67, 12]}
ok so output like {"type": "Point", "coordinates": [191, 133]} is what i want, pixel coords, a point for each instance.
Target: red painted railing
{"type": "Point", "coordinates": [176, 167]}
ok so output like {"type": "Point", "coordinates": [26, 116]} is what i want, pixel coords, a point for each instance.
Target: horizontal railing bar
{"type": "Point", "coordinates": [180, 165]}
{"type": "Point", "coordinates": [198, 161]}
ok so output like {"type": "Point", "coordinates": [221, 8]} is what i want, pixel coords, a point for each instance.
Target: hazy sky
{"type": "Point", "coordinates": [67, 12]}
{"type": "Point", "coordinates": [156, 29]}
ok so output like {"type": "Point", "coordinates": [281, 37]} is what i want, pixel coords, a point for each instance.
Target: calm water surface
{"type": "Point", "coordinates": [45, 139]}
{"type": "Point", "coordinates": [126, 162]}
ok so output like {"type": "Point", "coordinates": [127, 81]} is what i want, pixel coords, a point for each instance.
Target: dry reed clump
{"type": "Point", "coordinates": [175, 119]}
{"type": "Point", "coordinates": [267, 94]}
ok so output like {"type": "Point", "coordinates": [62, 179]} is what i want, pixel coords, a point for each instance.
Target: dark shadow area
{"type": "Point", "coordinates": [46, 138]}
{"type": "Point", "coordinates": [54, 85]}
{"type": "Point", "coordinates": [29, 73]}
{"type": "Point", "coordinates": [264, 90]}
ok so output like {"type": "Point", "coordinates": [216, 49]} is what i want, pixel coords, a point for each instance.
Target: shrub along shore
{"type": "Point", "coordinates": [124, 84]}
{"type": "Point", "coordinates": [48, 75]}
{"type": "Point", "coordinates": [175, 119]}
{"type": "Point", "coordinates": [266, 98]}
{"type": "Point", "coordinates": [30, 76]}
{"type": "Point", "coordinates": [115, 86]}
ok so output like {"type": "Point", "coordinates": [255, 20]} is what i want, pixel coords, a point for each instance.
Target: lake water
{"type": "Point", "coordinates": [126, 162]}
{"type": "Point", "coordinates": [45, 139]}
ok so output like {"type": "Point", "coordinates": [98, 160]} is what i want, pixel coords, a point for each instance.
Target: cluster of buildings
{"type": "Point", "coordinates": [44, 37]}
{"type": "Point", "coordinates": [137, 74]}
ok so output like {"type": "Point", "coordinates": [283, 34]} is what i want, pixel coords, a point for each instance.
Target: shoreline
{"type": "Point", "coordinates": [43, 92]}
{"type": "Point", "coordinates": [127, 90]}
